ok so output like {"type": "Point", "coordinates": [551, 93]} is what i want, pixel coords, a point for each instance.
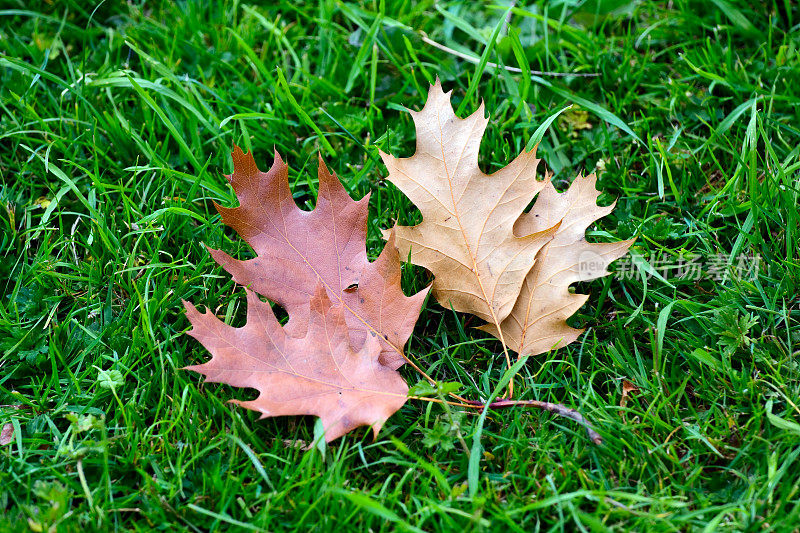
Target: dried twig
{"type": "Point", "coordinates": [475, 60]}
{"type": "Point", "coordinates": [555, 408]}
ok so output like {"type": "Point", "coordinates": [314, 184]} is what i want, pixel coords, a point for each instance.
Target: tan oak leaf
{"type": "Point", "coordinates": [488, 256]}
{"type": "Point", "coordinates": [466, 237]}
{"type": "Point", "coordinates": [538, 321]}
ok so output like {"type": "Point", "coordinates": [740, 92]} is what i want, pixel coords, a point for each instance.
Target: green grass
{"type": "Point", "coordinates": [115, 130]}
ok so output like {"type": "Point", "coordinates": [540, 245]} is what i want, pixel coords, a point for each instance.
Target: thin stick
{"type": "Point", "coordinates": [475, 60]}
{"type": "Point", "coordinates": [555, 408]}
{"type": "Point", "coordinates": [505, 352]}
{"type": "Point", "coordinates": [507, 20]}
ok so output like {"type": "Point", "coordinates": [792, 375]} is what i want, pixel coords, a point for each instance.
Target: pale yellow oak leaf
{"type": "Point", "coordinates": [466, 237]}
{"type": "Point", "coordinates": [537, 322]}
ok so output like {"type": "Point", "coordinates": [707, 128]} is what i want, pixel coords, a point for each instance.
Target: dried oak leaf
{"type": "Point", "coordinates": [466, 237]}
{"type": "Point", "coordinates": [537, 322]}
{"type": "Point", "coordinates": [298, 249]}
{"type": "Point", "coordinates": [7, 430]}
{"type": "Point", "coordinates": [489, 258]}
{"type": "Point", "coordinates": [319, 373]}
{"type": "Point", "coordinates": [7, 434]}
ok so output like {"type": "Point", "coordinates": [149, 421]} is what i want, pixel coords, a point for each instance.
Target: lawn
{"type": "Point", "coordinates": [116, 127]}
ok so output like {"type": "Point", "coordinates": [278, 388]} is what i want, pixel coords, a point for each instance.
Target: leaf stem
{"type": "Point", "coordinates": [555, 408]}
{"type": "Point", "coordinates": [461, 401]}
{"type": "Point", "coordinates": [505, 352]}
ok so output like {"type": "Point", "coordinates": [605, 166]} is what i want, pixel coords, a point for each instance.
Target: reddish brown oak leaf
{"type": "Point", "coordinates": [7, 434]}
{"type": "Point", "coordinates": [296, 250]}
{"type": "Point", "coordinates": [319, 373]}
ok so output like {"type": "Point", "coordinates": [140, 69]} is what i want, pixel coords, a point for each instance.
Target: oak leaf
{"type": "Point", "coordinates": [537, 323]}
{"type": "Point", "coordinates": [298, 249]}
{"type": "Point", "coordinates": [466, 236]}
{"type": "Point", "coordinates": [319, 373]}
{"type": "Point", "coordinates": [490, 258]}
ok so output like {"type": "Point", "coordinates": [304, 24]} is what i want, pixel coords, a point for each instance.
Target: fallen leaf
{"type": "Point", "coordinates": [574, 120]}
{"type": "Point", "coordinates": [42, 201]}
{"type": "Point", "coordinates": [298, 249]}
{"type": "Point", "coordinates": [466, 237]}
{"type": "Point", "coordinates": [538, 321]}
{"type": "Point", "coordinates": [7, 434]}
{"type": "Point", "coordinates": [299, 444]}
{"type": "Point", "coordinates": [319, 373]}
{"type": "Point", "coordinates": [628, 389]}
{"type": "Point", "coordinates": [489, 258]}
